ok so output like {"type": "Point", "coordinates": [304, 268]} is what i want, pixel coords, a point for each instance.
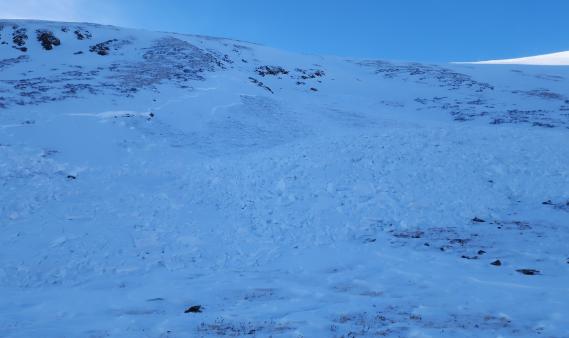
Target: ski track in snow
{"type": "Point", "coordinates": [371, 206]}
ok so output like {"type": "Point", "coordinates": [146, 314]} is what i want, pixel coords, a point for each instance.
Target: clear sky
{"type": "Point", "coordinates": [427, 30]}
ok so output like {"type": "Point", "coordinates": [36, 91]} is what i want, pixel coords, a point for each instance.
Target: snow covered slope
{"type": "Point", "coordinates": [280, 195]}
{"type": "Point", "coordinates": [553, 59]}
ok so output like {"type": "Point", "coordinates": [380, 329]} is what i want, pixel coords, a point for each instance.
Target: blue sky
{"type": "Point", "coordinates": [427, 30]}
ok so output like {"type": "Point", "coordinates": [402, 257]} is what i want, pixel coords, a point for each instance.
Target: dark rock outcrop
{"type": "Point", "coordinates": [102, 48]}
{"type": "Point", "coordinates": [194, 309]}
{"type": "Point", "coordinates": [81, 34]}
{"type": "Point", "coordinates": [19, 38]}
{"type": "Point", "coordinates": [271, 70]}
{"type": "Point", "coordinates": [47, 39]}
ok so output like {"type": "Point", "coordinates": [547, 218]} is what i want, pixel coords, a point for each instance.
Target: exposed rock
{"type": "Point", "coordinates": [460, 241]}
{"type": "Point", "coordinates": [497, 263]}
{"type": "Point", "coordinates": [227, 59]}
{"type": "Point", "coordinates": [541, 124]}
{"type": "Point", "coordinates": [81, 34]}
{"type": "Point", "coordinates": [194, 309]}
{"type": "Point", "coordinates": [47, 39]}
{"type": "Point", "coordinates": [529, 272]}
{"type": "Point", "coordinates": [271, 70]}
{"type": "Point", "coordinates": [102, 48]}
{"type": "Point", "coordinates": [409, 234]}
{"type": "Point", "coordinates": [310, 73]}
{"type": "Point", "coordinates": [260, 84]}
{"type": "Point", "coordinates": [19, 38]}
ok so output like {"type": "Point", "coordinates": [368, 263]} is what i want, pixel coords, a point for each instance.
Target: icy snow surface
{"type": "Point", "coordinates": [287, 195]}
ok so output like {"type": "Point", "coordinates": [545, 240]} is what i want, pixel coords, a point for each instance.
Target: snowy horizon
{"type": "Point", "coordinates": [397, 30]}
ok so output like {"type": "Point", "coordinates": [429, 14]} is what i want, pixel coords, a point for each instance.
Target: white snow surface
{"type": "Point", "coordinates": [326, 198]}
{"type": "Point", "coordinates": [552, 59]}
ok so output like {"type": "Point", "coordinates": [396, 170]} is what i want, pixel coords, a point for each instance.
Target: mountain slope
{"type": "Point", "coordinates": [553, 59]}
{"type": "Point", "coordinates": [289, 195]}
